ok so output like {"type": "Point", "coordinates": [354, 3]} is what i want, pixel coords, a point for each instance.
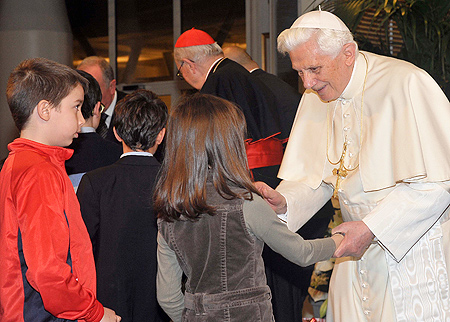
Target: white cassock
{"type": "Point", "coordinates": [395, 121]}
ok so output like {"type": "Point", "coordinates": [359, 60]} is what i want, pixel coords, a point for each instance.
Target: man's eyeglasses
{"type": "Point", "coordinates": [179, 74]}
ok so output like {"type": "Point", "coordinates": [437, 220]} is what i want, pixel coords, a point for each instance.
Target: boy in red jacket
{"type": "Point", "coordinates": [47, 270]}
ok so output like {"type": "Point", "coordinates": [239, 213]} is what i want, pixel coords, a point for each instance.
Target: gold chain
{"type": "Point", "coordinates": [217, 65]}
{"type": "Point", "coordinates": [342, 171]}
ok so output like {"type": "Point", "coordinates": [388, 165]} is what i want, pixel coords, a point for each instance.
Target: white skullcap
{"type": "Point", "coordinates": [319, 19]}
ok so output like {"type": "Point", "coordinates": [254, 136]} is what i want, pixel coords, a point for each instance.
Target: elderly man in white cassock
{"type": "Point", "coordinates": [373, 131]}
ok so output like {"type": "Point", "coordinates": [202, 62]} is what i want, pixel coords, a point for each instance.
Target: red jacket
{"type": "Point", "coordinates": [39, 211]}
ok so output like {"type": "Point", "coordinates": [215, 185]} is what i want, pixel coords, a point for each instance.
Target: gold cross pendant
{"type": "Point", "coordinates": [340, 173]}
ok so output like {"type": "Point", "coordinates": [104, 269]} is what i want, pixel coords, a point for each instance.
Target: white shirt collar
{"type": "Point", "coordinates": [87, 129]}
{"type": "Point", "coordinates": [110, 110]}
{"type": "Point", "coordinates": [137, 153]}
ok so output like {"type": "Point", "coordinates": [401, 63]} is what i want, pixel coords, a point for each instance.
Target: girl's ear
{"type": "Point", "coordinates": [43, 109]}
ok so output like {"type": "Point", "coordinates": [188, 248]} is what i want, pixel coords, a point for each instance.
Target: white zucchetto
{"type": "Point", "coordinates": [321, 20]}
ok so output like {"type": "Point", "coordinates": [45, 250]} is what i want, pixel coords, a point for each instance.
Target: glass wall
{"type": "Point", "coordinates": [145, 32]}
{"type": "Point", "coordinates": [89, 23]}
{"type": "Point", "coordinates": [144, 41]}
{"type": "Point", "coordinates": [223, 20]}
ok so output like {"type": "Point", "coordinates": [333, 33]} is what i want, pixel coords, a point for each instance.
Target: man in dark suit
{"type": "Point", "coordinates": [116, 205]}
{"type": "Point", "coordinates": [201, 63]}
{"type": "Point", "coordinates": [104, 74]}
{"type": "Point", "coordinates": [287, 97]}
{"type": "Point", "coordinates": [91, 151]}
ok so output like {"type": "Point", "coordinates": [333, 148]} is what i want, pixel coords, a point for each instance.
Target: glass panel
{"type": "Point", "coordinates": [89, 22]}
{"type": "Point", "coordinates": [223, 20]}
{"type": "Point", "coordinates": [144, 41]}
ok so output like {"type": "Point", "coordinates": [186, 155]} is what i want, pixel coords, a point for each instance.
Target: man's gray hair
{"type": "Point", "coordinates": [330, 42]}
{"type": "Point", "coordinates": [197, 53]}
{"type": "Point", "coordinates": [105, 67]}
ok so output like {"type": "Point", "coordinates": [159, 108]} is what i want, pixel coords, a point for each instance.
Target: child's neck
{"type": "Point", "coordinates": [89, 123]}
{"type": "Point", "coordinates": [32, 135]}
{"type": "Point", "coordinates": [127, 149]}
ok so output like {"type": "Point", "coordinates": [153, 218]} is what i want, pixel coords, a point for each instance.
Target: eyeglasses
{"type": "Point", "coordinates": [179, 74]}
{"type": "Point", "coordinates": [102, 108]}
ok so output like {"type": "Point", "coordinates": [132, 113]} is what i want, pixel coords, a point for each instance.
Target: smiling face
{"type": "Point", "coordinates": [325, 75]}
{"type": "Point", "coordinates": [66, 119]}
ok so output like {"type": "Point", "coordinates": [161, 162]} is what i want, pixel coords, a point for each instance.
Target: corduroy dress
{"type": "Point", "coordinates": [223, 265]}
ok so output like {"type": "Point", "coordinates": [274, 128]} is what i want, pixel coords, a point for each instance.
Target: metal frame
{"type": "Point", "coordinates": [112, 35]}
{"type": "Point", "coordinates": [260, 19]}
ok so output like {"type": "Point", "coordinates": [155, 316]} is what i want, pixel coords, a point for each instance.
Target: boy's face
{"type": "Point", "coordinates": [67, 119]}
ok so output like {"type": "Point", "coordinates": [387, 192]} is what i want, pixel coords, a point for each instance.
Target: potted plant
{"type": "Point", "coordinates": [424, 27]}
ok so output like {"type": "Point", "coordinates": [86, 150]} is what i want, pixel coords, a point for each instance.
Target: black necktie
{"type": "Point", "coordinates": [102, 128]}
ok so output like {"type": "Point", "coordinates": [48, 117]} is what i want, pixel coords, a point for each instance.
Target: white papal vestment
{"type": "Point", "coordinates": [394, 119]}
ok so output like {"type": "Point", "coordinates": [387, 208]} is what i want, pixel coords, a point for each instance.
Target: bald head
{"type": "Point", "coordinates": [240, 56]}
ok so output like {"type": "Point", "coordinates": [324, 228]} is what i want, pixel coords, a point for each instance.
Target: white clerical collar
{"type": "Point", "coordinates": [254, 69]}
{"type": "Point", "coordinates": [213, 65]}
{"type": "Point", "coordinates": [87, 129]}
{"type": "Point", "coordinates": [350, 81]}
{"type": "Point", "coordinates": [137, 153]}
{"type": "Point", "coordinates": [357, 80]}
{"type": "Point", "coordinates": [110, 110]}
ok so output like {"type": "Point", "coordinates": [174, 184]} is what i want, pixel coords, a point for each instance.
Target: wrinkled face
{"type": "Point", "coordinates": [67, 118]}
{"type": "Point", "coordinates": [325, 75]}
{"type": "Point", "coordinates": [191, 73]}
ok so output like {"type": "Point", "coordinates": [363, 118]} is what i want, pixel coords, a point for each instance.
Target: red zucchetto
{"type": "Point", "coordinates": [194, 37]}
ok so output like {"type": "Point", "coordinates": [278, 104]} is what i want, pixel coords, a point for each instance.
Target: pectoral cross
{"type": "Point", "coordinates": [340, 172]}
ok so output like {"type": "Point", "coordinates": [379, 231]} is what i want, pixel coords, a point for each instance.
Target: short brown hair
{"type": "Point", "coordinates": [205, 134]}
{"type": "Point", "coordinates": [138, 119]}
{"type": "Point", "coordinates": [39, 79]}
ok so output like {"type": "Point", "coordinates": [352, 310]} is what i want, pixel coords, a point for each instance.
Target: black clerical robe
{"type": "Point", "coordinates": [231, 81]}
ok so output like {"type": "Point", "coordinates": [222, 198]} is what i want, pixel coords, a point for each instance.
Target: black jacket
{"type": "Point", "coordinates": [116, 205]}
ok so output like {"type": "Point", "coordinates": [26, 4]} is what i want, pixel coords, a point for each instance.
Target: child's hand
{"type": "Point", "coordinates": [110, 316]}
{"type": "Point", "coordinates": [338, 237]}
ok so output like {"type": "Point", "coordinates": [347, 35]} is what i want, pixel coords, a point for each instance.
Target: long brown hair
{"type": "Point", "coordinates": [205, 134]}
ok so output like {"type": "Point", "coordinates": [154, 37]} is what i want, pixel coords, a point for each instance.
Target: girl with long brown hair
{"type": "Point", "coordinates": [213, 223]}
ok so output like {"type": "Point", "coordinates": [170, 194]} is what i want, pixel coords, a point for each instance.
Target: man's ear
{"type": "Point", "coordinates": [190, 64]}
{"type": "Point", "coordinates": [43, 109]}
{"type": "Point", "coordinates": [160, 136]}
{"type": "Point", "coordinates": [117, 135]}
{"type": "Point", "coordinates": [112, 87]}
{"type": "Point", "coordinates": [349, 53]}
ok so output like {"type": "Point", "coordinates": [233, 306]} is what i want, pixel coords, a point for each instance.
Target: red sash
{"type": "Point", "coordinates": [264, 152]}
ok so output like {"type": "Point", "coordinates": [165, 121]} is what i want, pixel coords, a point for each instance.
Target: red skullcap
{"type": "Point", "coordinates": [194, 37]}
